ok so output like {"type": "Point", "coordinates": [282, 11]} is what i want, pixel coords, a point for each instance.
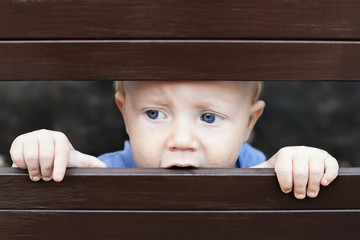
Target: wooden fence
{"type": "Point", "coordinates": [177, 40]}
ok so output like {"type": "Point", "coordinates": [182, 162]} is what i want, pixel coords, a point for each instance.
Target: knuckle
{"type": "Point", "coordinates": [324, 152]}
{"type": "Point", "coordinates": [33, 170]}
{"type": "Point", "coordinates": [16, 145]}
{"type": "Point", "coordinates": [31, 157]}
{"type": "Point", "coordinates": [316, 171]}
{"type": "Point", "coordinates": [62, 151]}
{"type": "Point", "coordinates": [313, 188]}
{"type": "Point", "coordinates": [46, 157]}
{"type": "Point", "coordinates": [17, 140]}
{"type": "Point", "coordinates": [46, 171]}
{"type": "Point", "coordinates": [42, 131]}
{"type": "Point", "coordinates": [332, 161]}
{"type": "Point", "coordinates": [281, 171]}
{"type": "Point", "coordinates": [20, 165]}
{"type": "Point", "coordinates": [60, 135]}
{"type": "Point", "coordinates": [283, 150]}
{"type": "Point", "coordinates": [300, 174]}
{"type": "Point", "coordinates": [301, 148]}
{"type": "Point", "coordinates": [15, 156]}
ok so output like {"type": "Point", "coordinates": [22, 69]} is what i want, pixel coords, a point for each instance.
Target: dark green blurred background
{"type": "Point", "coordinates": [319, 114]}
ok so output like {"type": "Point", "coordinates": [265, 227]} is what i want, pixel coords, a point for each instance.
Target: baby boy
{"type": "Point", "coordinates": [182, 124]}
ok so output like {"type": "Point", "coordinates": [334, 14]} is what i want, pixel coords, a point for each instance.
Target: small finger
{"type": "Point", "coordinates": [31, 156]}
{"type": "Point", "coordinates": [17, 153]}
{"type": "Point", "coordinates": [331, 170]}
{"type": "Point", "coordinates": [283, 168]}
{"type": "Point", "coordinates": [62, 151]}
{"type": "Point", "coordinates": [316, 172]}
{"type": "Point", "coordinates": [46, 156]}
{"type": "Point", "coordinates": [300, 175]}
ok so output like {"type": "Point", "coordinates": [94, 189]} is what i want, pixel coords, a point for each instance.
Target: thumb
{"type": "Point", "coordinates": [82, 160]}
{"type": "Point", "coordinates": [267, 164]}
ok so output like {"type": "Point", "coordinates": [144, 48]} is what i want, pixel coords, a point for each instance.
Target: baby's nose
{"type": "Point", "coordinates": [183, 137]}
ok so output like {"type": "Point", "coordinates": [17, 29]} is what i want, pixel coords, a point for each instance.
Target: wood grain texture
{"type": "Point", "coordinates": [179, 60]}
{"type": "Point", "coordinates": [192, 225]}
{"type": "Point", "coordinates": [155, 189]}
{"type": "Point", "coordinates": [156, 40]}
{"type": "Point", "coordinates": [174, 204]}
{"type": "Point", "coordinates": [178, 19]}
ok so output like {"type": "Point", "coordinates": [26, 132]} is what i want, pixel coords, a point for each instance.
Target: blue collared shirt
{"type": "Point", "coordinates": [249, 156]}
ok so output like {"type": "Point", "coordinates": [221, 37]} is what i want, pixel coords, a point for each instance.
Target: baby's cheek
{"type": "Point", "coordinates": [221, 159]}
{"type": "Point", "coordinates": [223, 150]}
{"type": "Point", "coordinates": [146, 158]}
{"type": "Point", "coordinates": [144, 149]}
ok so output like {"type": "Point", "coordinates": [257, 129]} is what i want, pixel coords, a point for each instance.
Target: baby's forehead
{"type": "Point", "coordinates": [223, 91]}
{"type": "Point", "coordinates": [211, 85]}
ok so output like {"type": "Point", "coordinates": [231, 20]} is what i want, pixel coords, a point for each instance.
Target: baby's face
{"type": "Point", "coordinates": [187, 124]}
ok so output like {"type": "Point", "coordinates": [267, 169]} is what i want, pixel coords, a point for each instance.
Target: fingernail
{"type": "Point", "coordinates": [300, 196]}
{"type": "Point", "coordinates": [287, 191]}
{"type": "Point", "coordinates": [325, 182]}
{"type": "Point", "coordinates": [58, 178]}
{"type": "Point", "coordinates": [311, 194]}
{"type": "Point", "coordinates": [46, 179]}
{"type": "Point", "coordinates": [35, 178]}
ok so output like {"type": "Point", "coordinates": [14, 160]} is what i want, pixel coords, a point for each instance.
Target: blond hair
{"type": "Point", "coordinates": [258, 90]}
{"type": "Point", "coordinates": [119, 87]}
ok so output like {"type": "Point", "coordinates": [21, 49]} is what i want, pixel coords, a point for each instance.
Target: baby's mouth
{"type": "Point", "coordinates": [179, 166]}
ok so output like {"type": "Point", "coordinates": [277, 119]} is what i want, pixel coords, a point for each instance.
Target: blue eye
{"type": "Point", "coordinates": [154, 114]}
{"type": "Point", "coordinates": [210, 118]}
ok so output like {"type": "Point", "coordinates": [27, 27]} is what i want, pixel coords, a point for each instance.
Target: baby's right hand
{"type": "Point", "coordinates": [46, 154]}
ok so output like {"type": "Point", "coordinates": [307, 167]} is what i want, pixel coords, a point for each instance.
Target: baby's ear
{"type": "Point", "coordinates": [256, 110]}
{"type": "Point", "coordinates": [120, 101]}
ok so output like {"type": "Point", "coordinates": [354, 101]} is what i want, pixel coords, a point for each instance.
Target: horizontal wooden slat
{"type": "Point", "coordinates": [212, 225]}
{"type": "Point", "coordinates": [179, 60]}
{"type": "Point", "coordinates": [156, 189]}
{"type": "Point", "coordinates": [169, 19]}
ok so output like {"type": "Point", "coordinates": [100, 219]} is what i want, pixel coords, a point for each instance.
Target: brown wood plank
{"type": "Point", "coordinates": [169, 19]}
{"type": "Point", "coordinates": [160, 189]}
{"type": "Point", "coordinates": [180, 225]}
{"type": "Point", "coordinates": [179, 60]}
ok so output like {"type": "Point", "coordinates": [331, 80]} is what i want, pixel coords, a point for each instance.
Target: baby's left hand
{"type": "Point", "coordinates": [305, 168]}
